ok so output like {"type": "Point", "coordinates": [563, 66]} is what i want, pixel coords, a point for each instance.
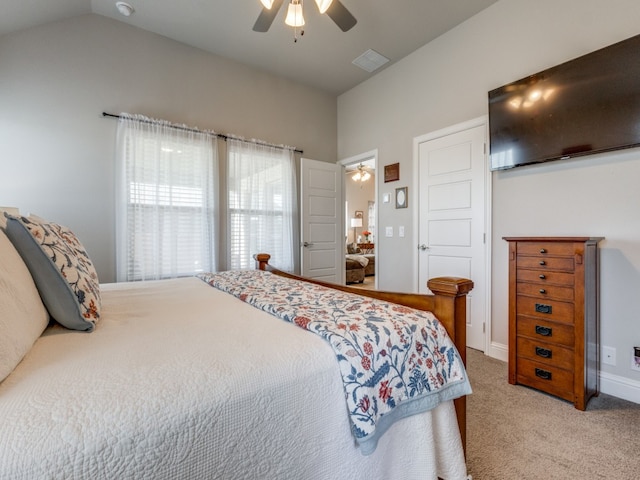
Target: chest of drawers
{"type": "Point", "coordinates": [553, 315]}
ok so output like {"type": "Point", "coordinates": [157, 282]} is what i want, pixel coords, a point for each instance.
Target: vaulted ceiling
{"type": "Point", "coordinates": [321, 58]}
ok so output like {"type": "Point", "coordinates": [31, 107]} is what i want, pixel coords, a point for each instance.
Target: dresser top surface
{"type": "Point", "coordinates": [553, 239]}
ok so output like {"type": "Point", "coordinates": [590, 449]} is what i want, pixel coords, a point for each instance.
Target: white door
{"type": "Point", "coordinates": [452, 216]}
{"type": "Point", "coordinates": [321, 205]}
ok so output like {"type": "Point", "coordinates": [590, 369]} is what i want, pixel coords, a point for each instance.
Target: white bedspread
{"type": "Point", "coordinates": [166, 387]}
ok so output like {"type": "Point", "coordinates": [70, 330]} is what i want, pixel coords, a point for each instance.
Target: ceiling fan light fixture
{"type": "Point", "coordinates": [294, 14]}
{"type": "Point", "coordinates": [323, 5]}
{"type": "Point", "coordinates": [334, 9]}
{"type": "Point", "coordinates": [361, 174]}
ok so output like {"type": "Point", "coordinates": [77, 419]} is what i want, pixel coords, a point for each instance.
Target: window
{"type": "Point", "coordinates": [261, 197]}
{"type": "Point", "coordinates": [167, 208]}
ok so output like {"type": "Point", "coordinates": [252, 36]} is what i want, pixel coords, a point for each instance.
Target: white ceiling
{"type": "Point", "coordinates": [321, 58]}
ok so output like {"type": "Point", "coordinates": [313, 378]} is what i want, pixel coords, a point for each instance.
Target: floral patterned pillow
{"type": "Point", "coordinates": [63, 272]}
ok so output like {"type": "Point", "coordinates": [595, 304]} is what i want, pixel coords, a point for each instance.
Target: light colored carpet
{"type": "Point", "coordinates": [369, 283]}
{"type": "Point", "coordinates": [514, 432]}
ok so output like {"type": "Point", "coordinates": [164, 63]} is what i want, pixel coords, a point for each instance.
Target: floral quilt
{"type": "Point", "coordinates": [395, 361]}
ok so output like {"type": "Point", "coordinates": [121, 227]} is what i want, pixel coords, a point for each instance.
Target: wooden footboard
{"type": "Point", "coordinates": [448, 303]}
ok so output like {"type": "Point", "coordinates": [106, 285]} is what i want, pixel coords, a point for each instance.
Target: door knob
{"type": "Point", "coordinates": [423, 247]}
{"type": "Point", "coordinates": [307, 244]}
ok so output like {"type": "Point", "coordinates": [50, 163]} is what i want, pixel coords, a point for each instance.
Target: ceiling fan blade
{"type": "Point", "coordinates": [341, 16]}
{"type": "Point", "coordinates": [266, 17]}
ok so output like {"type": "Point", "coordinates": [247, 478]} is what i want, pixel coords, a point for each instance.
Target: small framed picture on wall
{"type": "Point", "coordinates": [402, 200]}
{"type": "Point", "coordinates": [391, 172]}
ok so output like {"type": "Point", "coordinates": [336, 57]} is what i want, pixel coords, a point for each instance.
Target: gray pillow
{"type": "Point", "coordinates": [61, 269]}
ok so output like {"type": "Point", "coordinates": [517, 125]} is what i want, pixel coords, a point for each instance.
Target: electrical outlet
{"type": "Point", "coordinates": [609, 356]}
{"type": "Point", "coordinates": [388, 232]}
{"type": "Point", "coordinates": [635, 358]}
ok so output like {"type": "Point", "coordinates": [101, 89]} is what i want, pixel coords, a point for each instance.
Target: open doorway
{"type": "Point", "coordinates": [361, 220]}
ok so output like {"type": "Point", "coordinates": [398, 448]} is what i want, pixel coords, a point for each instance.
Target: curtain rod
{"type": "Point", "coordinates": [220, 135]}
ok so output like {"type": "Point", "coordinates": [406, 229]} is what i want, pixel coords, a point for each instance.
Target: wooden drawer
{"type": "Point", "coordinates": [537, 329]}
{"type": "Point", "coordinates": [546, 248]}
{"type": "Point", "coordinates": [548, 309]}
{"type": "Point", "coordinates": [553, 380]}
{"type": "Point", "coordinates": [548, 277]}
{"type": "Point", "coordinates": [547, 353]}
{"type": "Point", "coordinates": [546, 263]}
{"type": "Point", "coordinates": [543, 291]}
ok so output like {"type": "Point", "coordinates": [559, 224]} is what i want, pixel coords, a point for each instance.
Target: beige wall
{"type": "Point", "coordinates": [446, 82]}
{"type": "Point", "coordinates": [57, 157]}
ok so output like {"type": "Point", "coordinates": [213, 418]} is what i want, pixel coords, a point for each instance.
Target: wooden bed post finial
{"type": "Point", "coordinates": [262, 260]}
{"type": "Point", "coordinates": [450, 285]}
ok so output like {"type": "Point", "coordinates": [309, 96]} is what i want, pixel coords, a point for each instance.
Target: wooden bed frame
{"type": "Point", "coordinates": [448, 303]}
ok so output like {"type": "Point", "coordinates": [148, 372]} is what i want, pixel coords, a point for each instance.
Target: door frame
{"type": "Point", "coordinates": [459, 127]}
{"type": "Point", "coordinates": [350, 161]}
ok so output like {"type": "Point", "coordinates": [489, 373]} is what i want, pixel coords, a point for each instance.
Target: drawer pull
{"type": "Point", "coordinates": [543, 352]}
{"type": "Point", "coordinates": [544, 331]}
{"type": "Point", "coordinates": [544, 374]}
{"type": "Point", "coordinates": [542, 277]}
{"type": "Point", "coordinates": [542, 290]}
{"type": "Point", "coordinates": [542, 308]}
{"type": "Point", "coordinates": [542, 250]}
{"type": "Point", "coordinates": [542, 262]}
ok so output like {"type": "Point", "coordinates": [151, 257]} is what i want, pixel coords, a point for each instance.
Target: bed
{"type": "Point", "coordinates": [184, 379]}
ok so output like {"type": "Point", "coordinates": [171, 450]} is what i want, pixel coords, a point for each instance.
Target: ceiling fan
{"type": "Point", "coordinates": [334, 8]}
{"type": "Point", "coordinates": [359, 174]}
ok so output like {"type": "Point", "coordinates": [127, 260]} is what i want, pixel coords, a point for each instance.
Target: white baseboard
{"type": "Point", "coordinates": [498, 351]}
{"type": "Point", "coordinates": [613, 385]}
{"type": "Point", "coordinates": [620, 387]}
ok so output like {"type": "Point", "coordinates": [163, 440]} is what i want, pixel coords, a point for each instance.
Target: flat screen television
{"type": "Point", "coordinates": [584, 106]}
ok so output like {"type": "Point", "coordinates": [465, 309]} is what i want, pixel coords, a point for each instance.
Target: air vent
{"type": "Point", "coordinates": [370, 60]}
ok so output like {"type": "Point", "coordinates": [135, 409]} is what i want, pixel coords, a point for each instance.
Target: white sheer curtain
{"type": "Point", "coordinates": [166, 201]}
{"type": "Point", "coordinates": [261, 187]}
